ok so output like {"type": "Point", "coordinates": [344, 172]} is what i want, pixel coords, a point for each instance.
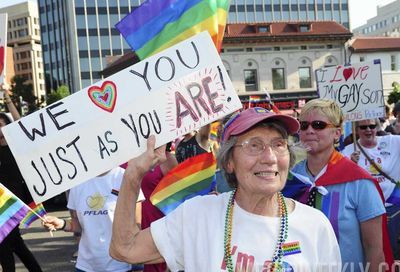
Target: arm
{"type": "Point", "coordinates": [54, 223]}
{"type": "Point", "coordinates": [10, 105]}
{"type": "Point", "coordinates": [371, 236]}
{"type": "Point", "coordinates": [128, 243]}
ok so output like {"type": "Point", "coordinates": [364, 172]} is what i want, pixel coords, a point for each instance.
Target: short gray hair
{"type": "Point", "coordinates": [226, 151]}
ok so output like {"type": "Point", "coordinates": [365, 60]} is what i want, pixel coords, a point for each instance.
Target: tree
{"type": "Point", "coordinates": [394, 95]}
{"type": "Point", "coordinates": [20, 89]}
{"type": "Point", "coordinates": [59, 94]}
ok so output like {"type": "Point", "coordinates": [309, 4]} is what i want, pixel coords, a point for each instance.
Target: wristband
{"type": "Point", "coordinates": [64, 225]}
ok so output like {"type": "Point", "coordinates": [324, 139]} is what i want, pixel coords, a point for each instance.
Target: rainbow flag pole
{"type": "Point", "coordinates": [35, 212]}
{"type": "Point", "coordinates": [29, 208]}
{"type": "Point", "coordinates": [12, 210]}
{"type": "Point", "coordinates": [193, 177]}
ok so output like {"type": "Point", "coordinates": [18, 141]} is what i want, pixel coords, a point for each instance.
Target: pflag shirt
{"type": "Point", "coordinates": [94, 202]}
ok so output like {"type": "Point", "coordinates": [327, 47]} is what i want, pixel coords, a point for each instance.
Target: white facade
{"type": "Point", "coordinates": [385, 23]}
{"type": "Point", "coordinates": [290, 57]}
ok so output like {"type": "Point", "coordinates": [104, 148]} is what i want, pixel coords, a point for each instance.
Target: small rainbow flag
{"type": "Point", "coordinates": [12, 210]}
{"type": "Point", "coordinates": [254, 98]}
{"type": "Point", "coordinates": [158, 24]}
{"type": "Point", "coordinates": [214, 131]}
{"type": "Point", "coordinates": [31, 216]}
{"type": "Point", "coordinates": [394, 198]}
{"type": "Point", "coordinates": [291, 248]}
{"type": "Point", "coordinates": [193, 177]}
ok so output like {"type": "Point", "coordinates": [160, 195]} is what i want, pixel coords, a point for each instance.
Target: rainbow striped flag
{"type": "Point", "coordinates": [394, 198]}
{"type": "Point", "coordinates": [31, 216]}
{"type": "Point", "coordinates": [158, 24]}
{"type": "Point", "coordinates": [193, 177]}
{"type": "Point", "coordinates": [214, 131]}
{"type": "Point", "coordinates": [254, 98]}
{"type": "Point", "coordinates": [12, 210]}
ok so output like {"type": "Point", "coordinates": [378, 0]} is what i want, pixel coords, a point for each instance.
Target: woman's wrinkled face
{"type": "Point", "coordinates": [318, 140]}
{"type": "Point", "coordinates": [266, 172]}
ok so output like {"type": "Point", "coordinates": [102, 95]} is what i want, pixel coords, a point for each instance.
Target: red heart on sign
{"type": "Point", "coordinates": [105, 96]}
{"type": "Point", "coordinates": [347, 73]}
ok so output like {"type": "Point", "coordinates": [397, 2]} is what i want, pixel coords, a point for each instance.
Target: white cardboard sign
{"type": "Point", "coordinates": [357, 89]}
{"type": "Point", "coordinates": [3, 45]}
{"type": "Point", "coordinates": [104, 125]}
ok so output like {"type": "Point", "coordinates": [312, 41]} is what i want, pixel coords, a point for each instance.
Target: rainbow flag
{"type": "Point", "coordinates": [31, 216]}
{"type": "Point", "coordinates": [158, 24]}
{"type": "Point", "coordinates": [12, 210]}
{"type": "Point", "coordinates": [214, 131]}
{"type": "Point", "coordinates": [254, 98]}
{"type": "Point", "coordinates": [394, 198]}
{"type": "Point", "coordinates": [193, 177]}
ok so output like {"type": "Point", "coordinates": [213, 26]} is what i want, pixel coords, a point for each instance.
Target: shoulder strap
{"type": "Point", "coordinates": [371, 161]}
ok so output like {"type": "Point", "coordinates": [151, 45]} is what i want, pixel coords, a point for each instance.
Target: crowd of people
{"type": "Point", "coordinates": [331, 211]}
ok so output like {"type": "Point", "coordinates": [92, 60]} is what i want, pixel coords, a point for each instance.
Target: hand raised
{"type": "Point", "coordinates": [151, 157]}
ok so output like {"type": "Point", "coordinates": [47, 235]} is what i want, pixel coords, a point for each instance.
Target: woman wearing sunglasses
{"type": "Point", "coordinates": [344, 192]}
{"type": "Point", "coordinates": [383, 164]}
{"type": "Point", "coordinates": [252, 228]}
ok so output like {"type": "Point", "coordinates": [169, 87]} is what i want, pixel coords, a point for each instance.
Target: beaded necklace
{"type": "Point", "coordinates": [276, 263]}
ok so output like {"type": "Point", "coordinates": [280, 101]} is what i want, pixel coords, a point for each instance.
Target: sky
{"type": "Point", "coordinates": [360, 10]}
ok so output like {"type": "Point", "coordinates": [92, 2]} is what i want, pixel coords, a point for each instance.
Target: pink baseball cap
{"type": "Point", "coordinates": [246, 119]}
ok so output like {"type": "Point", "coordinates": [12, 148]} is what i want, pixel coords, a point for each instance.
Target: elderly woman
{"type": "Point", "coordinates": [253, 228]}
{"type": "Point", "coordinates": [380, 156]}
{"type": "Point", "coordinates": [339, 188]}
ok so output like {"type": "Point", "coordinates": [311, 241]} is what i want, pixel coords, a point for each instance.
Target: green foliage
{"type": "Point", "coordinates": [59, 94]}
{"type": "Point", "coordinates": [394, 95]}
{"type": "Point", "coordinates": [20, 89]}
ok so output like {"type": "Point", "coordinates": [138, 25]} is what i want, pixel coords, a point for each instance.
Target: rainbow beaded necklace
{"type": "Point", "coordinates": [276, 264]}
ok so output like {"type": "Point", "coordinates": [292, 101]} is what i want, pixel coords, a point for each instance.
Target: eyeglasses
{"type": "Point", "coordinates": [317, 125]}
{"type": "Point", "coordinates": [372, 126]}
{"type": "Point", "coordinates": [256, 146]}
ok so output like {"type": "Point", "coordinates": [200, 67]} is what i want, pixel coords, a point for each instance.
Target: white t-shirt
{"type": "Point", "coordinates": [94, 202]}
{"type": "Point", "coordinates": [386, 155]}
{"type": "Point", "coordinates": [191, 238]}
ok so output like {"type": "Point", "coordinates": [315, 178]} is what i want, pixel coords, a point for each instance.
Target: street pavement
{"type": "Point", "coordinates": [53, 253]}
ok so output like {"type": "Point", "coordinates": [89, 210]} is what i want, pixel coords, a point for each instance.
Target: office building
{"type": "Point", "coordinates": [385, 23]}
{"type": "Point", "coordinates": [77, 37]}
{"type": "Point", "coordinates": [23, 35]}
{"type": "Point", "coordinates": [248, 11]}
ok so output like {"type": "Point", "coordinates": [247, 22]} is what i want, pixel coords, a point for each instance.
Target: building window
{"type": "Point", "coordinates": [393, 64]}
{"type": "Point", "coordinates": [250, 80]}
{"type": "Point", "coordinates": [362, 59]}
{"type": "Point", "coordinates": [304, 28]}
{"type": "Point", "coordinates": [263, 29]}
{"type": "Point", "coordinates": [305, 77]}
{"type": "Point", "coordinates": [278, 78]}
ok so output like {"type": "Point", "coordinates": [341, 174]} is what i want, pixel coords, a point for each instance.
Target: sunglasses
{"type": "Point", "coordinates": [367, 126]}
{"type": "Point", "coordinates": [317, 125]}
